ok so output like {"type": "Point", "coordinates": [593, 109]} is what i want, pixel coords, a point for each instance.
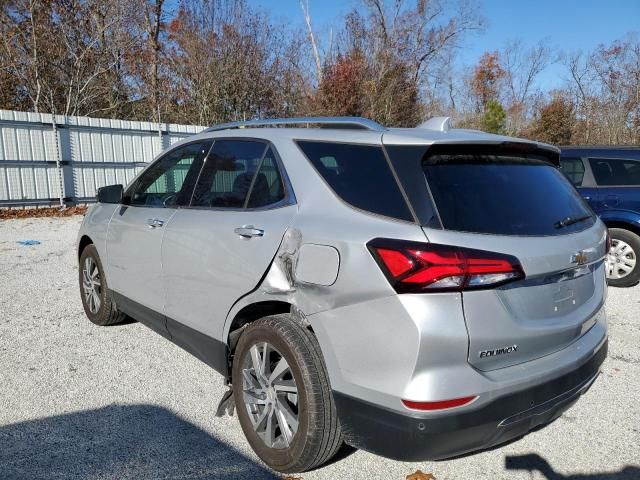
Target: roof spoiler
{"type": "Point", "coordinates": [550, 154]}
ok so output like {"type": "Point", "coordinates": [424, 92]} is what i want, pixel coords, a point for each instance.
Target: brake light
{"type": "Point", "coordinates": [608, 243]}
{"type": "Point", "coordinates": [426, 267]}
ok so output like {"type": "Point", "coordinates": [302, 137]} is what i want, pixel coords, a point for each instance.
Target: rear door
{"type": "Point", "coordinates": [136, 229]}
{"type": "Point", "coordinates": [618, 183]}
{"type": "Point", "coordinates": [520, 205]}
{"type": "Point", "coordinates": [217, 250]}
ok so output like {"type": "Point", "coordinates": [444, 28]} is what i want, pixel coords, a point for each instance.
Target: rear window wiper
{"type": "Point", "coordinates": [565, 222]}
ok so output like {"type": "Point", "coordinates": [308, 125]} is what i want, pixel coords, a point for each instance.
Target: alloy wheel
{"type": "Point", "coordinates": [621, 259]}
{"type": "Point", "coordinates": [91, 285]}
{"type": "Point", "coordinates": [270, 395]}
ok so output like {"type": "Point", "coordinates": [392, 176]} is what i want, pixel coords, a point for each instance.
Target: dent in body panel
{"type": "Point", "coordinates": [298, 264]}
{"type": "Point", "coordinates": [281, 276]}
{"type": "Point", "coordinates": [282, 281]}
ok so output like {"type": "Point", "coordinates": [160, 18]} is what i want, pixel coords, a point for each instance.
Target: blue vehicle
{"type": "Point", "coordinates": [608, 177]}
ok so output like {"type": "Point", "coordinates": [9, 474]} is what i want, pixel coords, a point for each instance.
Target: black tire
{"type": "Point", "coordinates": [633, 241]}
{"type": "Point", "coordinates": [107, 313]}
{"type": "Point", "coordinates": [318, 436]}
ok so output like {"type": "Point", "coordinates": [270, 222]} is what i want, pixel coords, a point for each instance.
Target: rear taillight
{"type": "Point", "coordinates": [608, 242]}
{"type": "Point", "coordinates": [427, 267]}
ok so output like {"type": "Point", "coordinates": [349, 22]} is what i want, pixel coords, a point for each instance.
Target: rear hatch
{"type": "Point", "coordinates": [518, 204]}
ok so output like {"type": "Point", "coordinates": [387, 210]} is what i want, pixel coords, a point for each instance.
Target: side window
{"type": "Point", "coordinates": [573, 168]}
{"type": "Point", "coordinates": [608, 172]}
{"type": "Point", "coordinates": [359, 175]}
{"type": "Point", "coordinates": [228, 174]}
{"type": "Point", "coordinates": [267, 187]}
{"type": "Point", "coordinates": [170, 180]}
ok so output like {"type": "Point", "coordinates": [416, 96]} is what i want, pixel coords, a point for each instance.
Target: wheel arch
{"type": "Point", "coordinates": [622, 225]}
{"type": "Point", "coordinates": [82, 244]}
{"type": "Point", "coordinates": [250, 313]}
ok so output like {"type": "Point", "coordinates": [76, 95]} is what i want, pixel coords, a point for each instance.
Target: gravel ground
{"type": "Point", "coordinates": [80, 401]}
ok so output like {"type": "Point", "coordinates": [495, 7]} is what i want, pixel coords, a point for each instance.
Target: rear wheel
{"type": "Point", "coordinates": [622, 267]}
{"type": "Point", "coordinates": [283, 397]}
{"type": "Point", "coordinates": [96, 297]}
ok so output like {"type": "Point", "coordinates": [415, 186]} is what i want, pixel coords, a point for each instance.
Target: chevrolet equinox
{"type": "Point", "coordinates": [417, 293]}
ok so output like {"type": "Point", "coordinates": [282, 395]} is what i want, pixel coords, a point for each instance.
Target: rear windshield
{"type": "Point", "coordinates": [504, 195]}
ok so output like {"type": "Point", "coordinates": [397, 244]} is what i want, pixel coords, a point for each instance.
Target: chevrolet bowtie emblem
{"type": "Point", "coordinates": [580, 258]}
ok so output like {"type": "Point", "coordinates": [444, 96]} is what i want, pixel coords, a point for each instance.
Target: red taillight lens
{"type": "Point", "coordinates": [425, 267]}
{"type": "Point", "coordinates": [440, 405]}
{"type": "Point", "coordinates": [608, 242]}
{"type": "Point", "coordinates": [395, 261]}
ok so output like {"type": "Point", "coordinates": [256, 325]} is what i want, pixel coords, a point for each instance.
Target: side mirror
{"type": "Point", "coordinates": [110, 194]}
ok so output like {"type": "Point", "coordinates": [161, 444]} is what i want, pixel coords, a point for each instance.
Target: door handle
{"type": "Point", "coordinates": [249, 231]}
{"type": "Point", "coordinates": [611, 201]}
{"type": "Point", "coordinates": [155, 222]}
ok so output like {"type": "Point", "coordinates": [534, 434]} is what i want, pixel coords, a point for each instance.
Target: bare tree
{"type": "Point", "coordinates": [207, 61]}
{"type": "Point", "coordinates": [61, 52]}
{"type": "Point", "coordinates": [23, 26]}
{"type": "Point", "coordinates": [304, 5]}
{"type": "Point", "coordinates": [522, 66]}
{"type": "Point", "coordinates": [85, 46]}
{"type": "Point", "coordinates": [153, 20]}
{"type": "Point", "coordinates": [251, 68]}
{"type": "Point", "coordinates": [605, 88]}
{"type": "Point", "coordinates": [404, 47]}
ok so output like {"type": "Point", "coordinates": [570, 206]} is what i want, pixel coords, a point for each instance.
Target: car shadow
{"type": "Point", "coordinates": [121, 442]}
{"type": "Point", "coordinates": [535, 463]}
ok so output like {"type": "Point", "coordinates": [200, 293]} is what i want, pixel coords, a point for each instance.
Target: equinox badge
{"type": "Point", "coordinates": [498, 351]}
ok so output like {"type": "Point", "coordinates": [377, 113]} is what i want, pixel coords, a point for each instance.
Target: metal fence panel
{"type": "Point", "coordinates": [46, 160]}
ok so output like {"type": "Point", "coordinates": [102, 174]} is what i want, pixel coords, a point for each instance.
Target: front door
{"type": "Point", "coordinates": [134, 238]}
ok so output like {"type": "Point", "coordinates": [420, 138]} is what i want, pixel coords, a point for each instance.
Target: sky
{"type": "Point", "coordinates": [567, 24]}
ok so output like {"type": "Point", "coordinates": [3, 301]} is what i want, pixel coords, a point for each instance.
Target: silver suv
{"type": "Point", "coordinates": [417, 293]}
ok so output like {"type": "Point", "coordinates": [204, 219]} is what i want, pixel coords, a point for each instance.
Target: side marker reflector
{"type": "Point", "coordinates": [440, 405]}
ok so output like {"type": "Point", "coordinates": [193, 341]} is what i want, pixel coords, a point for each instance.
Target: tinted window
{"type": "Point", "coordinates": [360, 175]}
{"type": "Point", "coordinates": [170, 180]}
{"type": "Point", "coordinates": [615, 171]}
{"type": "Point", "coordinates": [267, 186]}
{"type": "Point", "coordinates": [573, 168]}
{"type": "Point", "coordinates": [407, 162]}
{"type": "Point", "coordinates": [228, 173]}
{"type": "Point", "coordinates": [504, 195]}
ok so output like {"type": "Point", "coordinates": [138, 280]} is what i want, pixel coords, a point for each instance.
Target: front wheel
{"type": "Point", "coordinates": [283, 397]}
{"type": "Point", "coordinates": [622, 268]}
{"type": "Point", "coordinates": [96, 297]}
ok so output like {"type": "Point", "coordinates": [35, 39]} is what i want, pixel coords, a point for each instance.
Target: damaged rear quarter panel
{"type": "Point", "coordinates": [359, 278]}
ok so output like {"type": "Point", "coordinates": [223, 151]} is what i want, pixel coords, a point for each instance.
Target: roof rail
{"type": "Point", "coordinates": [356, 123]}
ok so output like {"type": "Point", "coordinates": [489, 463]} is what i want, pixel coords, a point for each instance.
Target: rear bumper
{"type": "Point", "coordinates": [410, 437]}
